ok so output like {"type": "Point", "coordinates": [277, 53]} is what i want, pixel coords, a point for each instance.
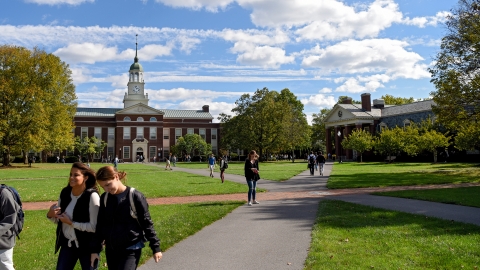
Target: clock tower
{"type": "Point", "coordinates": [135, 84]}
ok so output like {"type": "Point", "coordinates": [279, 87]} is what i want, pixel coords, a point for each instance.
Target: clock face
{"type": "Point", "coordinates": [339, 113]}
{"type": "Point", "coordinates": [136, 89]}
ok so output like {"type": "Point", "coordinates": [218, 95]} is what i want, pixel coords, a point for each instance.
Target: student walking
{"type": "Point", "coordinates": [223, 166]}
{"type": "Point", "coordinates": [321, 162]}
{"type": "Point", "coordinates": [311, 162]}
{"type": "Point", "coordinates": [211, 164]}
{"type": "Point", "coordinates": [167, 164]}
{"type": "Point", "coordinates": [124, 223]}
{"type": "Point", "coordinates": [75, 214]}
{"type": "Point", "coordinates": [8, 217]}
{"type": "Point", "coordinates": [252, 175]}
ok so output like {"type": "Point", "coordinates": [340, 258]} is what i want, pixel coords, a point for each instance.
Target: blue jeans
{"type": "Point", "coordinates": [252, 186]}
{"type": "Point", "coordinates": [68, 257]}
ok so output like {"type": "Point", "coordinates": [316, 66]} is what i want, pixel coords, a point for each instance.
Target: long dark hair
{"type": "Point", "coordinates": [91, 181]}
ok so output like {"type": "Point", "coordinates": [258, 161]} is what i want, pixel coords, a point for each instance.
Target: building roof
{"type": "Point", "coordinates": [110, 112]}
{"type": "Point", "coordinates": [419, 106]}
{"type": "Point", "coordinates": [356, 109]}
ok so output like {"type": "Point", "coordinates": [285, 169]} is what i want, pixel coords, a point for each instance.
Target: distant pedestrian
{"type": "Point", "coordinates": [321, 162]}
{"type": "Point", "coordinates": [167, 165]}
{"type": "Point", "coordinates": [115, 162]}
{"type": "Point", "coordinates": [211, 164]}
{"type": "Point", "coordinates": [223, 167]}
{"type": "Point", "coordinates": [311, 162]}
{"type": "Point", "coordinates": [252, 175]}
{"type": "Point", "coordinates": [174, 160]}
{"type": "Point", "coordinates": [30, 160]}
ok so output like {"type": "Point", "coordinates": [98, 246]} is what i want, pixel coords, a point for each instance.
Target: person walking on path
{"type": "Point", "coordinates": [8, 217]}
{"type": "Point", "coordinates": [124, 227]}
{"type": "Point", "coordinates": [76, 217]}
{"type": "Point", "coordinates": [167, 164]}
{"type": "Point", "coordinates": [115, 162]}
{"type": "Point", "coordinates": [211, 164]}
{"type": "Point", "coordinates": [321, 162]}
{"type": "Point", "coordinates": [311, 162]}
{"type": "Point", "coordinates": [252, 175]}
{"type": "Point", "coordinates": [223, 166]}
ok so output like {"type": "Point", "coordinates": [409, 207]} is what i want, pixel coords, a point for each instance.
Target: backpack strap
{"type": "Point", "coordinates": [133, 210]}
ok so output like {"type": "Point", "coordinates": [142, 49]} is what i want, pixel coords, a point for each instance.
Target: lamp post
{"type": "Point", "coordinates": [340, 146]}
{"type": "Point", "coordinates": [120, 151]}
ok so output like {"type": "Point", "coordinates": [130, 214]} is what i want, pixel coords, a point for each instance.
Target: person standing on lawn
{"type": "Point", "coordinates": [211, 164]}
{"type": "Point", "coordinates": [76, 217]}
{"type": "Point", "coordinates": [121, 226]}
{"type": "Point", "coordinates": [252, 175]}
{"type": "Point", "coordinates": [223, 166]}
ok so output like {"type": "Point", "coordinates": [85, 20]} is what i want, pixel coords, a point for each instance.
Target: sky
{"type": "Point", "coordinates": [210, 52]}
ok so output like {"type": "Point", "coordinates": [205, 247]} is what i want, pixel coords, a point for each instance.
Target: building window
{"type": "Point", "coordinates": [178, 133]}
{"type": "Point", "coordinates": [202, 134]}
{"type": "Point", "coordinates": [110, 154]}
{"type": "Point", "coordinates": [166, 133]}
{"type": "Point", "coordinates": [152, 152]}
{"type": "Point", "coordinates": [153, 133]}
{"type": "Point", "coordinates": [189, 130]}
{"type": "Point", "coordinates": [136, 76]}
{"type": "Point", "coordinates": [406, 123]}
{"type": "Point", "coordinates": [111, 133]}
{"type": "Point", "coordinates": [126, 118]}
{"type": "Point", "coordinates": [98, 133]}
{"type": "Point", "coordinates": [140, 133]}
{"type": "Point", "coordinates": [84, 133]}
{"type": "Point", "coordinates": [214, 133]}
{"type": "Point", "coordinates": [383, 126]}
{"type": "Point", "coordinates": [153, 119]}
{"type": "Point", "coordinates": [140, 119]}
{"type": "Point", "coordinates": [126, 133]}
{"type": "Point", "coordinates": [126, 152]}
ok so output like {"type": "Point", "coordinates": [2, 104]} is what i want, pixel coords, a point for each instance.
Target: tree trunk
{"type": "Point", "coordinates": [6, 157]}
{"type": "Point", "coordinates": [361, 158]}
{"type": "Point", "coordinates": [25, 157]}
{"type": "Point", "coordinates": [435, 156]}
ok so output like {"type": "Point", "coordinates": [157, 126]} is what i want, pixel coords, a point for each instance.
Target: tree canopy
{"type": "Point", "coordinates": [456, 73]}
{"type": "Point", "coordinates": [190, 144]}
{"type": "Point", "coordinates": [391, 100]}
{"type": "Point", "coordinates": [266, 121]}
{"type": "Point", "coordinates": [37, 101]}
{"type": "Point", "coordinates": [359, 140]}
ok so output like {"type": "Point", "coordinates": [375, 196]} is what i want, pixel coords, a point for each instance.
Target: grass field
{"type": "Point", "coordinates": [35, 249]}
{"type": "Point", "coordinates": [467, 196]}
{"type": "Point", "coordinates": [275, 170]}
{"type": "Point", "coordinates": [43, 182]}
{"type": "Point", "coordinates": [371, 174]}
{"type": "Point", "coordinates": [350, 236]}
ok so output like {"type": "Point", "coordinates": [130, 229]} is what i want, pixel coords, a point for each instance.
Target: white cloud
{"type": "Point", "coordinates": [59, 2]}
{"type": "Point", "coordinates": [422, 22]}
{"type": "Point", "coordinates": [385, 56]}
{"type": "Point", "coordinates": [177, 94]}
{"type": "Point", "coordinates": [320, 100]}
{"type": "Point", "coordinates": [325, 90]}
{"type": "Point", "coordinates": [209, 5]}
{"type": "Point", "coordinates": [264, 56]}
{"type": "Point", "coordinates": [80, 75]}
{"type": "Point", "coordinates": [91, 53]}
{"type": "Point", "coordinates": [352, 86]}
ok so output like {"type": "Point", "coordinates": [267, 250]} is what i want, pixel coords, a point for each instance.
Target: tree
{"type": "Point", "coordinates": [432, 140]}
{"type": "Point", "coordinates": [359, 140]}
{"type": "Point", "coordinates": [467, 137]}
{"type": "Point", "coordinates": [319, 133]}
{"type": "Point", "coordinates": [389, 142]}
{"type": "Point", "coordinates": [192, 143]}
{"type": "Point", "coordinates": [89, 146]}
{"type": "Point", "coordinates": [341, 98]}
{"type": "Point", "coordinates": [37, 101]}
{"type": "Point", "coordinates": [456, 73]}
{"type": "Point", "coordinates": [391, 100]}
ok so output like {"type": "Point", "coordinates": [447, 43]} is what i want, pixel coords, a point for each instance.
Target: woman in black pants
{"type": "Point", "coordinates": [124, 227]}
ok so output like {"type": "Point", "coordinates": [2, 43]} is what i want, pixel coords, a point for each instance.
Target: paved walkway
{"type": "Point", "coordinates": [276, 233]}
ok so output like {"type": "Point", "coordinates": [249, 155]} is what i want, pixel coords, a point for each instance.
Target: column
{"type": "Point", "coordinates": [348, 152]}
{"type": "Point", "coordinates": [328, 140]}
{"type": "Point", "coordinates": [337, 142]}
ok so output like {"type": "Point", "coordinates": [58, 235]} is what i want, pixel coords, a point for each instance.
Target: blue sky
{"type": "Point", "coordinates": [210, 52]}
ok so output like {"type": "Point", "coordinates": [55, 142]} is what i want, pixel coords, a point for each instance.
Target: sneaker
{"type": "Point", "coordinates": [249, 203]}
{"type": "Point", "coordinates": [255, 202]}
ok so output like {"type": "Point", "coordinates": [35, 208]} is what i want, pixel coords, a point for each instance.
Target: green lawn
{"type": "Point", "coordinates": [44, 182]}
{"type": "Point", "coordinates": [173, 223]}
{"type": "Point", "coordinates": [350, 236]}
{"type": "Point", "coordinates": [468, 196]}
{"type": "Point", "coordinates": [274, 170]}
{"type": "Point", "coordinates": [373, 174]}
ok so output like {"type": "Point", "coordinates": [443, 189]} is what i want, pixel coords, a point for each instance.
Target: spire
{"type": "Point", "coordinates": [136, 48]}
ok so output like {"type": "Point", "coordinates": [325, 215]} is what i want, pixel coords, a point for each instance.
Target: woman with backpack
{"type": "Point", "coordinates": [223, 166]}
{"type": "Point", "coordinates": [252, 175]}
{"type": "Point", "coordinates": [124, 223]}
{"type": "Point", "coordinates": [76, 217]}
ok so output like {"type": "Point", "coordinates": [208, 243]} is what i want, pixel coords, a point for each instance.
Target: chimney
{"type": "Point", "coordinates": [205, 108]}
{"type": "Point", "coordinates": [347, 100]}
{"type": "Point", "coordinates": [379, 103]}
{"type": "Point", "coordinates": [366, 105]}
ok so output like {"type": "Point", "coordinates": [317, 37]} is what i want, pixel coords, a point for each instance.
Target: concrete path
{"type": "Point", "coordinates": [276, 234]}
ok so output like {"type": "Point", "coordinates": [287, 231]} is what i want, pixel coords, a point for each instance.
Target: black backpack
{"type": "Point", "coordinates": [311, 160]}
{"type": "Point", "coordinates": [225, 164]}
{"type": "Point", "coordinates": [18, 226]}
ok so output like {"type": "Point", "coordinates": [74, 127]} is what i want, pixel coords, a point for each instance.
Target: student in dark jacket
{"type": "Point", "coordinates": [76, 217]}
{"type": "Point", "coordinates": [251, 170]}
{"type": "Point", "coordinates": [123, 234]}
{"type": "Point", "coordinates": [8, 217]}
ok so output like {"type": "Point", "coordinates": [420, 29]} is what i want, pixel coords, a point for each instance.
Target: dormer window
{"type": "Point", "coordinates": [126, 118]}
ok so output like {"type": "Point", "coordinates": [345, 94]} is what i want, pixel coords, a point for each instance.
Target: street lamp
{"type": "Point", "coordinates": [340, 146]}
{"type": "Point", "coordinates": [120, 151]}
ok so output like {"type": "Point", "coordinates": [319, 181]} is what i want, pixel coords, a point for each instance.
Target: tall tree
{"type": "Point", "coordinates": [456, 73]}
{"type": "Point", "coordinates": [319, 133]}
{"type": "Point", "coordinates": [389, 142]}
{"type": "Point", "coordinates": [37, 101]}
{"type": "Point", "coordinates": [360, 141]}
{"type": "Point", "coordinates": [89, 146]}
{"type": "Point", "coordinates": [192, 143]}
{"type": "Point", "coordinates": [391, 100]}
{"type": "Point", "coordinates": [432, 141]}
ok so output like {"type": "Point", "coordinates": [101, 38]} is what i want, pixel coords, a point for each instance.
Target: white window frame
{"type": "Point", "coordinates": [83, 132]}
{"type": "Point", "coordinates": [126, 133]}
{"type": "Point", "coordinates": [97, 132]}
{"type": "Point", "coordinates": [178, 133]}
{"type": "Point", "coordinates": [190, 131]}
{"type": "Point", "coordinates": [140, 134]}
{"type": "Point", "coordinates": [126, 152]}
{"type": "Point", "coordinates": [202, 132]}
{"type": "Point", "coordinates": [214, 133]}
{"type": "Point", "coordinates": [166, 134]}
{"type": "Point", "coordinates": [153, 133]}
